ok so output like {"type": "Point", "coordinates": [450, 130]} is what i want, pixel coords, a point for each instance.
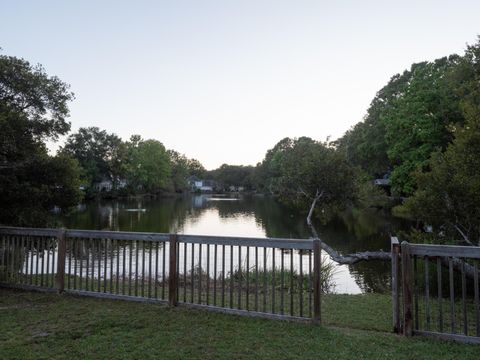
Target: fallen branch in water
{"type": "Point", "coordinates": [354, 258]}
{"type": "Point", "coordinates": [349, 259]}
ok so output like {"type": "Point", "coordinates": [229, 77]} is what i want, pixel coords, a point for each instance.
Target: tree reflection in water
{"type": "Point", "coordinates": [260, 216]}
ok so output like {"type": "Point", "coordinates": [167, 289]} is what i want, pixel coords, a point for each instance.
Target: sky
{"type": "Point", "coordinates": [223, 81]}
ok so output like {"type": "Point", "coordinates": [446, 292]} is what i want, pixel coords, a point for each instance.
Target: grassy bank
{"type": "Point", "coordinates": [35, 325]}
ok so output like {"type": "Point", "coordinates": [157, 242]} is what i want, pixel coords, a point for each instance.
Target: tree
{"type": "Point", "coordinates": [100, 154]}
{"type": "Point", "coordinates": [268, 172]}
{"type": "Point", "coordinates": [407, 121]}
{"type": "Point", "coordinates": [300, 170]}
{"type": "Point", "coordinates": [234, 175]}
{"type": "Point", "coordinates": [417, 124]}
{"type": "Point", "coordinates": [148, 165]}
{"type": "Point", "coordinates": [33, 109]}
{"type": "Point", "coordinates": [310, 174]}
{"type": "Point", "coordinates": [448, 196]}
{"type": "Point", "coordinates": [39, 186]}
{"type": "Point", "coordinates": [195, 168]}
{"type": "Point", "coordinates": [179, 170]}
{"type": "Point", "coordinates": [365, 144]}
{"type": "Point", "coordinates": [28, 90]}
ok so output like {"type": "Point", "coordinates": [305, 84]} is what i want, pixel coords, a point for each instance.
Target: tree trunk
{"type": "Point", "coordinates": [335, 256]}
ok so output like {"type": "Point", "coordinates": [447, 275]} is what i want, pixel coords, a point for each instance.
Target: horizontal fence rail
{"type": "Point", "coordinates": [439, 286]}
{"type": "Point", "coordinates": [276, 278]}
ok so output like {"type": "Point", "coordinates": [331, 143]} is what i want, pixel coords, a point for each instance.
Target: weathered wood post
{"type": "Point", "coordinates": [395, 249]}
{"type": "Point", "coordinates": [62, 254]}
{"type": "Point", "coordinates": [172, 274]}
{"type": "Point", "coordinates": [407, 280]}
{"type": "Point", "coordinates": [317, 283]}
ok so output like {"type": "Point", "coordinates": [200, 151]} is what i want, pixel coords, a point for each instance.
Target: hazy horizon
{"type": "Point", "coordinates": [222, 81]}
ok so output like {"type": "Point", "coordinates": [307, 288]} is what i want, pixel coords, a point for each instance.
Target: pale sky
{"type": "Point", "coordinates": [223, 81]}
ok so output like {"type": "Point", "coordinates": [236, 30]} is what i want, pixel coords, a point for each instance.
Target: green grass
{"type": "Point", "coordinates": [45, 326]}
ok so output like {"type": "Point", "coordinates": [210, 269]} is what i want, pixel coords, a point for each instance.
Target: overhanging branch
{"type": "Point", "coordinates": [335, 255]}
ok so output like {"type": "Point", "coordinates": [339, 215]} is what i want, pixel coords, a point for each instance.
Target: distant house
{"type": "Point", "coordinates": [107, 185]}
{"type": "Point", "coordinates": [104, 185]}
{"type": "Point", "coordinates": [383, 181]}
{"type": "Point", "coordinates": [122, 183]}
{"type": "Point", "coordinates": [233, 188]}
{"type": "Point", "coordinates": [197, 184]}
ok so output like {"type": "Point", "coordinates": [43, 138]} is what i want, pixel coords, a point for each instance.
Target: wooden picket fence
{"type": "Point", "coordinates": [274, 278]}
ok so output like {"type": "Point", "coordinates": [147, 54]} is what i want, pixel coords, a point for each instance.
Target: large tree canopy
{"type": "Point", "coordinates": [33, 108]}
{"type": "Point", "coordinates": [298, 170]}
{"type": "Point", "coordinates": [365, 144]}
{"type": "Point", "coordinates": [148, 166]}
{"type": "Point", "coordinates": [101, 155]}
{"type": "Point", "coordinates": [28, 90]}
{"type": "Point", "coordinates": [409, 120]}
{"type": "Point", "coordinates": [448, 196]}
{"type": "Point", "coordinates": [417, 123]}
{"type": "Point", "coordinates": [234, 175]}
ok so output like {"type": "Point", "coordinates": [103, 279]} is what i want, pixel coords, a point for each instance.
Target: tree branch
{"type": "Point", "coordinates": [334, 255]}
{"type": "Point", "coordinates": [354, 258]}
{"type": "Point", "coordinates": [464, 236]}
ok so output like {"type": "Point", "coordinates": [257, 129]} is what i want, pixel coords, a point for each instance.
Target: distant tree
{"type": "Point", "coordinates": [195, 168]}
{"type": "Point", "coordinates": [301, 170]}
{"type": "Point", "coordinates": [100, 154]}
{"type": "Point", "coordinates": [179, 170]}
{"type": "Point", "coordinates": [268, 172]}
{"type": "Point", "coordinates": [234, 175]}
{"type": "Point", "coordinates": [365, 144]}
{"type": "Point", "coordinates": [33, 109]}
{"type": "Point", "coordinates": [148, 166]}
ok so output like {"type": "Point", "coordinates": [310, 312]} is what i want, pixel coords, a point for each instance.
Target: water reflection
{"type": "Point", "coordinates": [254, 216]}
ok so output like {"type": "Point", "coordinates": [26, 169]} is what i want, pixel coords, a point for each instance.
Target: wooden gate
{"type": "Point", "coordinates": [435, 291]}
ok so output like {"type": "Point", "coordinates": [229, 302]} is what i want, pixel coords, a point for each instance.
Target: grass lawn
{"type": "Point", "coordinates": [45, 326]}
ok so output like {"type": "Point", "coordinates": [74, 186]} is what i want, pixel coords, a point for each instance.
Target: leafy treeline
{"type": "Point", "coordinates": [34, 110]}
{"type": "Point", "coordinates": [133, 166]}
{"type": "Point", "coordinates": [143, 166]}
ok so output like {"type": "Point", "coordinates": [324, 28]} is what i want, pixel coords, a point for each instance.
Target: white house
{"type": "Point", "coordinates": [383, 181]}
{"type": "Point", "coordinates": [107, 185]}
{"type": "Point", "coordinates": [197, 184]}
{"type": "Point", "coordinates": [104, 185]}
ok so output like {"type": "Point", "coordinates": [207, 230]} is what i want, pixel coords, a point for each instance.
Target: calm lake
{"type": "Point", "coordinates": [251, 216]}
